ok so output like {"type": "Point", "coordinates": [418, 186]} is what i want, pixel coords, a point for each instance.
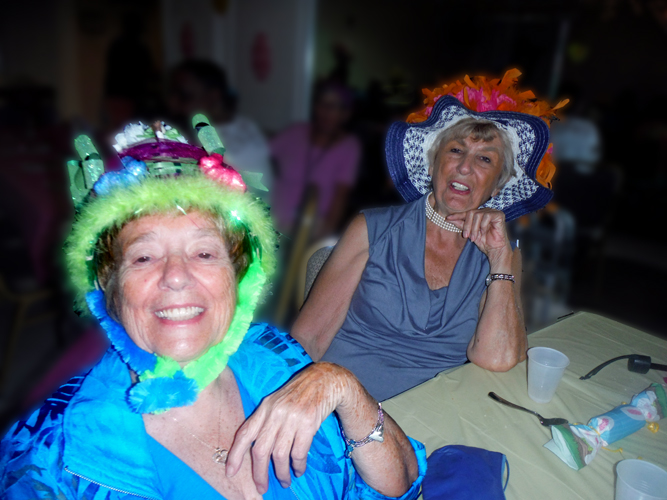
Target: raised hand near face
{"type": "Point", "coordinates": [486, 228]}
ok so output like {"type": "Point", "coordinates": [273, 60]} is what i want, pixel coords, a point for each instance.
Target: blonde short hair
{"type": "Point", "coordinates": [478, 130]}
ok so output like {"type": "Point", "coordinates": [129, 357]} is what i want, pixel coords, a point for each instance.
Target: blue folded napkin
{"type": "Point", "coordinates": [462, 472]}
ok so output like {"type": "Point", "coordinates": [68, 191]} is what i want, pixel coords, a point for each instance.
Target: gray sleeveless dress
{"type": "Point", "coordinates": [398, 333]}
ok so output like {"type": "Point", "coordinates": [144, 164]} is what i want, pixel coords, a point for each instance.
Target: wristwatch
{"type": "Point", "coordinates": [494, 277]}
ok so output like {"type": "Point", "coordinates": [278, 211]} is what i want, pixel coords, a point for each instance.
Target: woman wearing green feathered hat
{"type": "Point", "coordinates": [171, 255]}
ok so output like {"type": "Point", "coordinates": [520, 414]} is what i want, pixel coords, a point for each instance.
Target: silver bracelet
{"type": "Point", "coordinates": [377, 434]}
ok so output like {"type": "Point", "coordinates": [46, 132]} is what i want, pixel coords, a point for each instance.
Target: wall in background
{"type": "Point", "coordinates": [266, 47]}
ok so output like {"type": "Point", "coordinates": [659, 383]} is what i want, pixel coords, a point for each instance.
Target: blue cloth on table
{"type": "Point", "coordinates": [459, 472]}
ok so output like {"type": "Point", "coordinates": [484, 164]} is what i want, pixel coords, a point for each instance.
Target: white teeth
{"type": "Point", "coordinates": [179, 313]}
{"type": "Point", "coordinates": [460, 187]}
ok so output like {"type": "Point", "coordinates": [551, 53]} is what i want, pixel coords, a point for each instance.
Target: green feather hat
{"type": "Point", "coordinates": [169, 176]}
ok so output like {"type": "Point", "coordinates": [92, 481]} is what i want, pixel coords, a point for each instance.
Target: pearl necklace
{"type": "Point", "coordinates": [438, 219]}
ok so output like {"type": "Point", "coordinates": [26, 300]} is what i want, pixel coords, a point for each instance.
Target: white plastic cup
{"type": "Point", "coordinates": [545, 369]}
{"type": "Point", "coordinates": [640, 480]}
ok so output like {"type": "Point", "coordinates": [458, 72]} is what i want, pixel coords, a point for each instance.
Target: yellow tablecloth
{"type": "Point", "coordinates": [453, 408]}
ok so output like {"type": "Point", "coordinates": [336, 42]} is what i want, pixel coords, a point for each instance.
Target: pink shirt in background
{"type": "Point", "coordinates": [301, 164]}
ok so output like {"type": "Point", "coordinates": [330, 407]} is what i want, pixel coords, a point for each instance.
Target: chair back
{"type": "Point", "coordinates": [314, 259]}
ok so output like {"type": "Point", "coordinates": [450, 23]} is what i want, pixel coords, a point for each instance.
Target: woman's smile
{"type": "Point", "coordinates": [465, 174]}
{"type": "Point", "coordinates": [459, 187]}
{"type": "Point", "coordinates": [179, 314]}
{"type": "Point", "coordinates": [178, 285]}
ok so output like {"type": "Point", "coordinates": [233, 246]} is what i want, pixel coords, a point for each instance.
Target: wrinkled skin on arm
{"type": "Point", "coordinates": [329, 300]}
{"type": "Point", "coordinates": [283, 426]}
{"type": "Point", "coordinates": [499, 342]}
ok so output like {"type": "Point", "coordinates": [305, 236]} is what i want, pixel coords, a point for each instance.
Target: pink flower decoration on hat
{"type": "Point", "coordinates": [215, 168]}
{"type": "Point", "coordinates": [483, 102]}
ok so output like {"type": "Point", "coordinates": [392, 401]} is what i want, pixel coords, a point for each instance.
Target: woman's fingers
{"type": "Point", "coordinates": [282, 450]}
{"type": "Point", "coordinates": [300, 450]}
{"type": "Point", "coordinates": [476, 224]}
{"type": "Point", "coordinates": [261, 454]}
{"type": "Point", "coordinates": [467, 225]}
{"type": "Point", "coordinates": [283, 426]}
{"type": "Point", "coordinates": [485, 223]}
{"type": "Point", "coordinates": [243, 440]}
{"type": "Point", "coordinates": [485, 227]}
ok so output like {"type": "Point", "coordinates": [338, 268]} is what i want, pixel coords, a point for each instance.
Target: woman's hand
{"type": "Point", "coordinates": [499, 341]}
{"type": "Point", "coordinates": [486, 228]}
{"type": "Point", "coordinates": [283, 426]}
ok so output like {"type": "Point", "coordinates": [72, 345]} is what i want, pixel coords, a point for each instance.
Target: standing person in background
{"type": "Point", "coordinates": [320, 157]}
{"type": "Point", "coordinates": [199, 86]}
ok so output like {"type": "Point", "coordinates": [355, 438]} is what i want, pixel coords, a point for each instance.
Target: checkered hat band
{"type": "Point", "coordinates": [408, 145]}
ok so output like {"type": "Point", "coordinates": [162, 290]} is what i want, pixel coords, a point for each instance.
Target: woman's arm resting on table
{"type": "Point", "coordinates": [499, 342]}
{"type": "Point", "coordinates": [329, 300]}
{"type": "Point", "coordinates": [283, 427]}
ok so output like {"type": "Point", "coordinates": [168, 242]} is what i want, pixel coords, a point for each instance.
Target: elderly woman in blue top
{"type": "Point", "coordinates": [413, 290]}
{"type": "Point", "coordinates": [191, 402]}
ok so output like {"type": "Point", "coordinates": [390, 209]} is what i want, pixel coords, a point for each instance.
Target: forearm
{"type": "Point", "coordinates": [316, 331]}
{"type": "Point", "coordinates": [389, 467]}
{"type": "Point", "coordinates": [500, 339]}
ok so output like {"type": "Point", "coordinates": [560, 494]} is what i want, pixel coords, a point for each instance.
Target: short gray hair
{"type": "Point", "coordinates": [480, 130]}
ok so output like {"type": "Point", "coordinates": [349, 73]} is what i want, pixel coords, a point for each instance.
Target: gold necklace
{"type": "Point", "coordinates": [219, 453]}
{"type": "Point", "coordinates": [438, 219]}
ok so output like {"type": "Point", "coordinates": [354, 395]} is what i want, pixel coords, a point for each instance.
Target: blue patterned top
{"type": "Point", "coordinates": [86, 443]}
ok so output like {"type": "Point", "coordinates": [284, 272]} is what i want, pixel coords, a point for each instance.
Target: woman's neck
{"type": "Point", "coordinates": [441, 211]}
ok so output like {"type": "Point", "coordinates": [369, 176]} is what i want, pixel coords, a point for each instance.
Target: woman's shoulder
{"type": "Point", "coordinates": [269, 346]}
{"type": "Point", "coordinates": [266, 359]}
{"type": "Point", "coordinates": [382, 221]}
{"type": "Point", "coordinates": [278, 343]}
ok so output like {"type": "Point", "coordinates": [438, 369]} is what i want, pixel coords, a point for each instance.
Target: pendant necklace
{"type": "Point", "coordinates": [219, 453]}
{"type": "Point", "coordinates": [438, 219]}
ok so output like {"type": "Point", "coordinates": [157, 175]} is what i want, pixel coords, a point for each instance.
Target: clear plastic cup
{"type": "Point", "coordinates": [640, 480]}
{"type": "Point", "coordinates": [545, 369]}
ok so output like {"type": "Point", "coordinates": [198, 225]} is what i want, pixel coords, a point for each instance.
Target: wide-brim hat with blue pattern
{"type": "Point", "coordinates": [407, 144]}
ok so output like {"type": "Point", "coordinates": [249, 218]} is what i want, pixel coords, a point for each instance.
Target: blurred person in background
{"type": "Point", "coordinates": [412, 290]}
{"type": "Point", "coordinates": [587, 186]}
{"type": "Point", "coordinates": [320, 158]}
{"type": "Point", "coordinates": [198, 86]}
{"type": "Point", "coordinates": [133, 98]}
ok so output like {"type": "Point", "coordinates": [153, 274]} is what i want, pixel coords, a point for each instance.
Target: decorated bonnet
{"type": "Point", "coordinates": [162, 173]}
{"type": "Point", "coordinates": [525, 120]}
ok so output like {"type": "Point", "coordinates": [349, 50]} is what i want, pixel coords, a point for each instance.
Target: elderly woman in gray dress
{"type": "Point", "coordinates": [412, 290]}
